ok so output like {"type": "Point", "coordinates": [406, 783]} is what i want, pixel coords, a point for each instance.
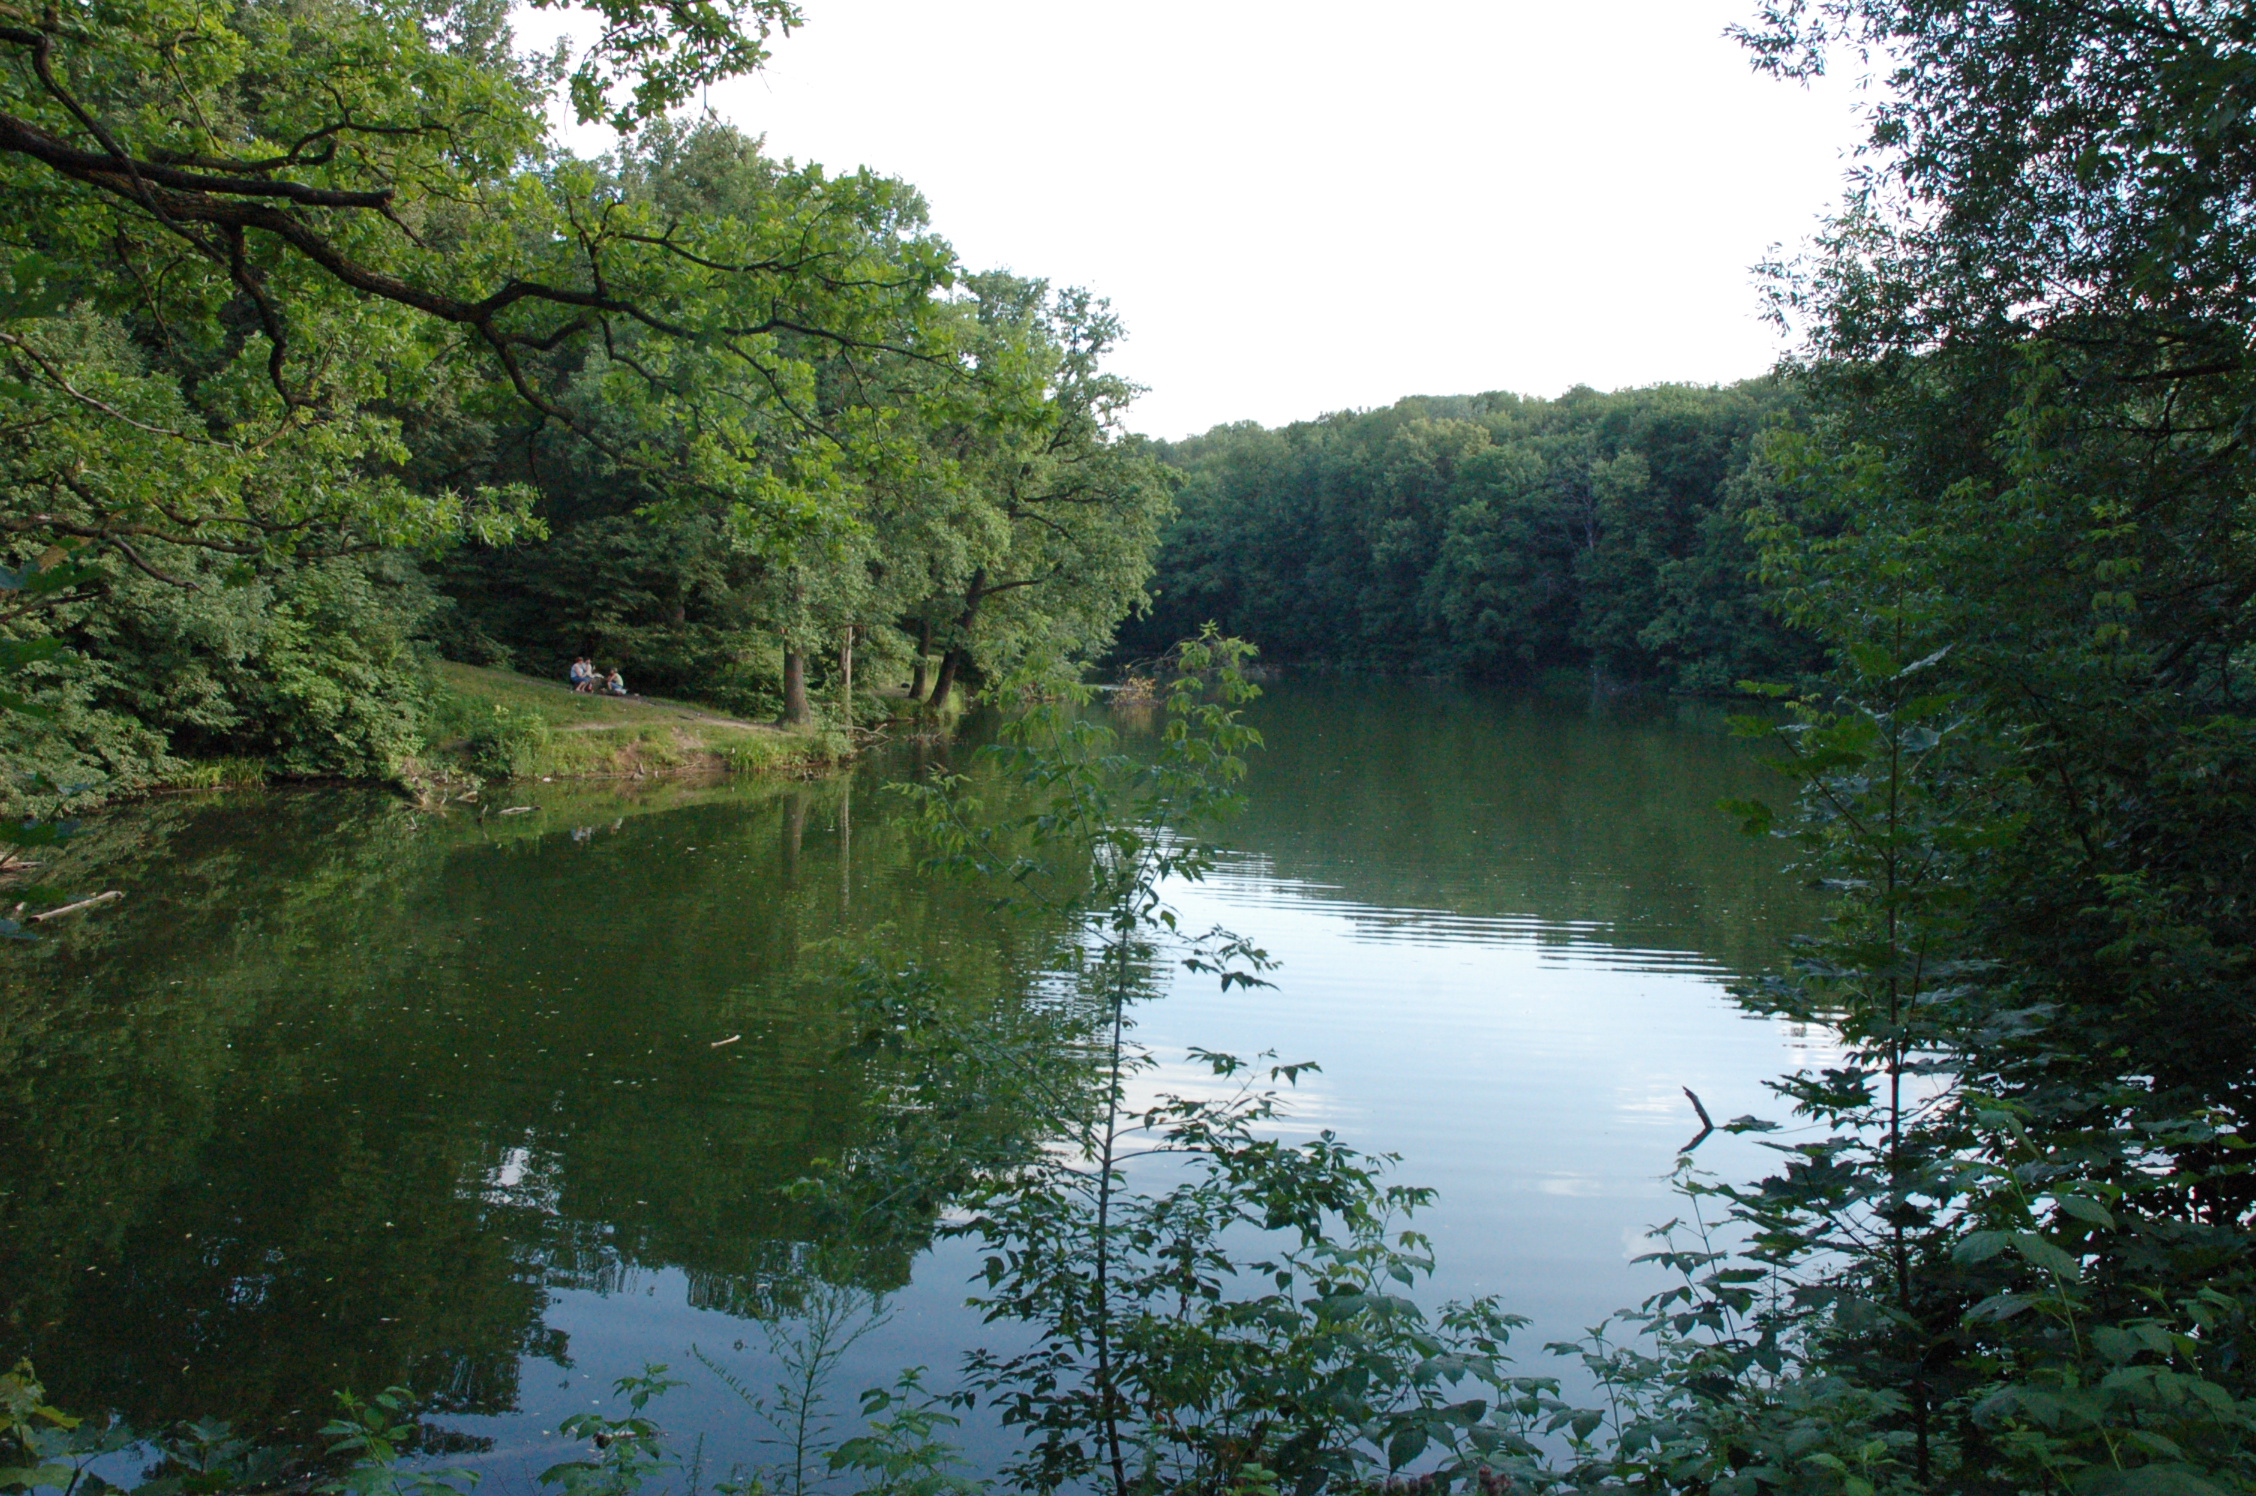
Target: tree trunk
{"type": "Point", "coordinates": [796, 712]}
{"type": "Point", "coordinates": [922, 680]}
{"type": "Point", "coordinates": [944, 687]}
{"type": "Point", "coordinates": [794, 831]}
{"type": "Point", "coordinates": [952, 663]}
{"type": "Point", "coordinates": [846, 677]}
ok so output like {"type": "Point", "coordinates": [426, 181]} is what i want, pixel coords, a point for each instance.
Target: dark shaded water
{"type": "Point", "coordinates": [343, 1095]}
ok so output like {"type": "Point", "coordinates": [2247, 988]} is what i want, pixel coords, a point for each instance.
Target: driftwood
{"type": "Point", "coordinates": [87, 903]}
{"type": "Point", "coordinates": [1707, 1123]}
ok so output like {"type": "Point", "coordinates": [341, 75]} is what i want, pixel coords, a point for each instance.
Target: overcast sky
{"type": "Point", "coordinates": [1304, 207]}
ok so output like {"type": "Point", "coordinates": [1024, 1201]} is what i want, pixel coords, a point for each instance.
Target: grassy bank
{"type": "Point", "coordinates": [497, 724]}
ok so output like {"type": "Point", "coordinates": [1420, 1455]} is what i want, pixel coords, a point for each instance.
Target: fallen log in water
{"type": "Point", "coordinates": [73, 908]}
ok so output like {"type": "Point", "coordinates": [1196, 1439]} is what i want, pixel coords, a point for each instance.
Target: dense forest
{"type": "Point", "coordinates": [1599, 536]}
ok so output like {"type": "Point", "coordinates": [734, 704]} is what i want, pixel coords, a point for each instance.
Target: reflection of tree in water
{"type": "Point", "coordinates": [808, 1333]}
{"type": "Point", "coordinates": [1597, 824]}
{"type": "Point", "coordinates": [342, 1093]}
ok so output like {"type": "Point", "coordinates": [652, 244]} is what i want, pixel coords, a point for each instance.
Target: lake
{"type": "Point", "coordinates": [503, 1106]}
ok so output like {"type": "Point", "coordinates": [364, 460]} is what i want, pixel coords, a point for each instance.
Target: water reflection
{"type": "Point", "coordinates": [345, 1095]}
{"type": "Point", "coordinates": [1508, 926]}
{"type": "Point", "coordinates": [1432, 803]}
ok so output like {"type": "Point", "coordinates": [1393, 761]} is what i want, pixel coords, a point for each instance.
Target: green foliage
{"type": "Point", "coordinates": [1012, 521]}
{"type": "Point", "coordinates": [629, 1451]}
{"type": "Point", "coordinates": [1489, 535]}
{"type": "Point", "coordinates": [313, 668]}
{"type": "Point", "coordinates": [52, 1451]}
{"type": "Point", "coordinates": [808, 1345]}
{"type": "Point", "coordinates": [221, 773]}
{"type": "Point", "coordinates": [20, 833]}
{"type": "Point", "coordinates": [2013, 1235]}
{"type": "Point", "coordinates": [1210, 1309]}
{"type": "Point", "coordinates": [371, 307]}
{"type": "Point", "coordinates": [507, 744]}
{"type": "Point", "coordinates": [1248, 1323]}
{"type": "Point", "coordinates": [2121, 192]}
{"type": "Point", "coordinates": [343, 284]}
{"type": "Point", "coordinates": [905, 1453]}
{"type": "Point", "coordinates": [360, 222]}
{"type": "Point", "coordinates": [29, 1434]}
{"type": "Point", "coordinates": [378, 1436]}
{"type": "Point", "coordinates": [672, 603]}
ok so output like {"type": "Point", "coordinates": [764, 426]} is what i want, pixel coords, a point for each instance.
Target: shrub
{"type": "Point", "coordinates": [311, 669]}
{"type": "Point", "coordinates": [508, 744]}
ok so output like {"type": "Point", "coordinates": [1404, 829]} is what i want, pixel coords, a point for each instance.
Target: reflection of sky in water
{"type": "Point", "coordinates": [650, 1317]}
{"type": "Point", "coordinates": [1533, 1073]}
{"type": "Point", "coordinates": [1249, 883]}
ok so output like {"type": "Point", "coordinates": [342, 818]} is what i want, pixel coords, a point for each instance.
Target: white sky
{"type": "Point", "coordinates": [1304, 207]}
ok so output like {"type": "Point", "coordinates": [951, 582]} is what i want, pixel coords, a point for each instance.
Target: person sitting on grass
{"type": "Point", "coordinates": [614, 683]}
{"type": "Point", "coordinates": [579, 673]}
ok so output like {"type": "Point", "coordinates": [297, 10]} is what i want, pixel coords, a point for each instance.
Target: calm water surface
{"type": "Point", "coordinates": [344, 1095]}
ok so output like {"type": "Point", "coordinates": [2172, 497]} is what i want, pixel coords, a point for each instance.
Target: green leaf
{"type": "Point", "coordinates": [2083, 1208]}
{"type": "Point", "coordinates": [2042, 1253]}
{"type": "Point", "coordinates": [1872, 662]}
{"type": "Point", "coordinates": [1979, 1246]}
{"type": "Point", "coordinates": [1918, 665]}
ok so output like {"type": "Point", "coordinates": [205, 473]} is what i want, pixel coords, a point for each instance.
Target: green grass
{"type": "Point", "coordinates": [564, 707]}
{"type": "Point", "coordinates": [217, 773]}
{"type": "Point", "coordinates": [499, 724]}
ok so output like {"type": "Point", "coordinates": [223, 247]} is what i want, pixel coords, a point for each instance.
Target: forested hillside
{"type": "Point", "coordinates": [1603, 535]}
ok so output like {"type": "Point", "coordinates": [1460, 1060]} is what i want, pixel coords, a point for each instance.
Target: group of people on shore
{"type": "Point", "coordinates": [589, 681]}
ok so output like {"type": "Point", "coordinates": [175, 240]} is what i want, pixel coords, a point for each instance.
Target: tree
{"type": "Point", "coordinates": [2033, 166]}
{"type": "Point", "coordinates": [2018, 1233]}
{"type": "Point", "coordinates": [1037, 539]}
{"type": "Point", "coordinates": [286, 284]}
{"type": "Point", "coordinates": [280, 237]}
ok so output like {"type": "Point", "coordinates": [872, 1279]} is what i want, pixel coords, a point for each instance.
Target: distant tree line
{"type": "Point", "coordinates": [1599, 535]}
